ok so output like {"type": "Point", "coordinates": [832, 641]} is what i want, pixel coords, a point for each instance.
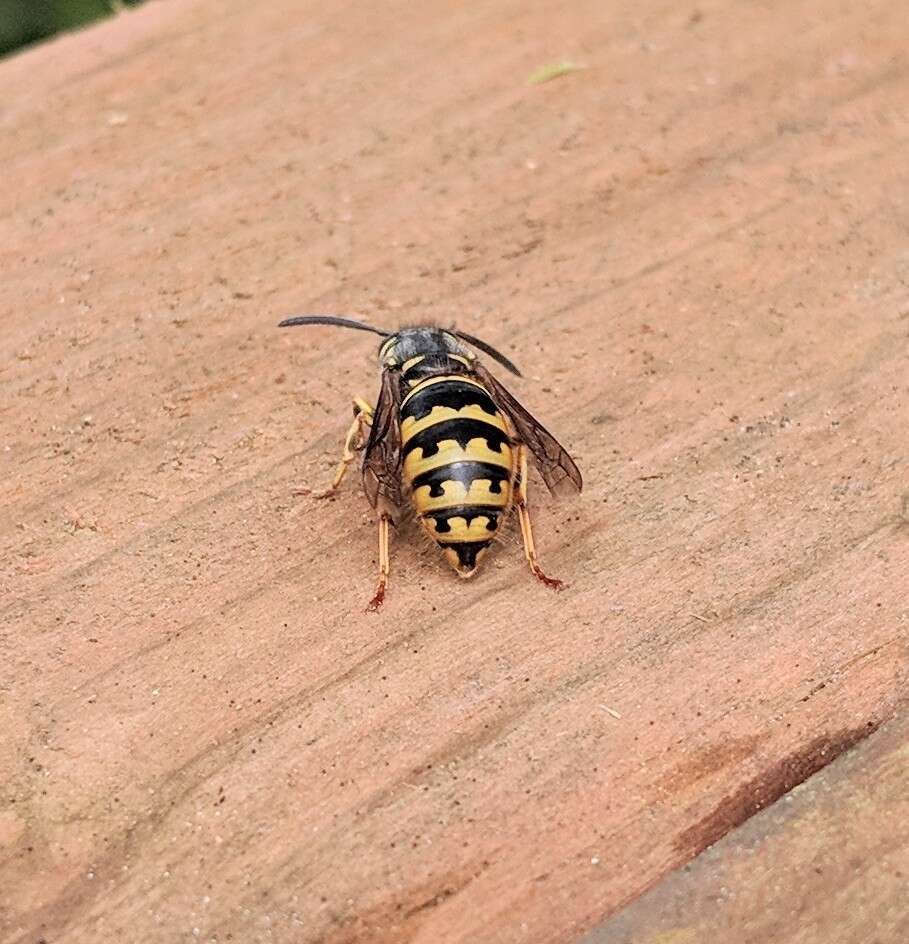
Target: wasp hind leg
{"type": "Point", "coordinates": [384, 567]}
{"type": "Point", "coordinates": [353, 443]}
{"type": "Point", "coordinates": [530, 551]}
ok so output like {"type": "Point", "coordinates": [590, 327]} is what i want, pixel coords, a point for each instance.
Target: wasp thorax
{"type": "Point", "coordinates": [423, 341]}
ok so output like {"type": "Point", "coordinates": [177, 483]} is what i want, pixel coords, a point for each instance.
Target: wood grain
{"type": "Point", "coordinates": [695, 249]}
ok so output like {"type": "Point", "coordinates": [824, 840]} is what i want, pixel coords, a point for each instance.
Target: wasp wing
{"type": "Point", "coordinates": [382, 457]}
{"type": "Point", "coordinates": [558, 469]}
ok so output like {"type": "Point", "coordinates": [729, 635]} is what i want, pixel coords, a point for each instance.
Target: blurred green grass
{"type": "Point", "coordinates": [27, 21]}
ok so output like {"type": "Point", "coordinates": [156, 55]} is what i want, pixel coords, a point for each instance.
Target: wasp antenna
{"type": "Point", "coordinates": [331, 320]}
{"type": "Point", "coordinates": [490, 350]}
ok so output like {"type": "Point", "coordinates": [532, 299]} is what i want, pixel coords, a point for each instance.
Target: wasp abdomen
{"type": "Point", "coordinates": [459, 470]}
{"type": "Point", "coordinates": [459, 463]}
{"type": "Point", "coordinates": [442, 517]}
{"type": "Point", "coordinates": [460, 429]}
{"type": "Point", "coordinates": [452, 392]}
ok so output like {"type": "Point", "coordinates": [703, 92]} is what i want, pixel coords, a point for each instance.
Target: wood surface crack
{"type": "Point", "coordinates": [769, 786]}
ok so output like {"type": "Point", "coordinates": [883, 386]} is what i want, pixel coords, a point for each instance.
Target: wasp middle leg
{"type": "Point", "coordinates": [384, 564]}
{"type": "Point", "coordinates": [530, 551]}
{"type": "Point", "coordinates": [353, 443]}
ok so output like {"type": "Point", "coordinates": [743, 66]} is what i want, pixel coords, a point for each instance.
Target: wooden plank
{"type": "Point", "coordinates": [694, 247]}
{"type": "Point", "coordinates": [829, 862]}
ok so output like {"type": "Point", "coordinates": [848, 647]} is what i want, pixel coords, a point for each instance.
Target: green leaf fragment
{"type": "Point", "coordinates": [553, 71]}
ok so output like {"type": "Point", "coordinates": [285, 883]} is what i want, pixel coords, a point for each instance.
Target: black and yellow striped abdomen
{"type": "Point", "coordinates": [459, 464]}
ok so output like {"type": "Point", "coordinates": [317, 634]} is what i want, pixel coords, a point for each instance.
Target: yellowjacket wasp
{"type": "Point", "coordinates": [448, 434]}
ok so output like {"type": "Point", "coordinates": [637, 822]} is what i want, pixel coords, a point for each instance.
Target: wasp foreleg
{"type": "Point", "coordinates": [530, 551]}
{"type": "Point", "coordinates": [353, 443]}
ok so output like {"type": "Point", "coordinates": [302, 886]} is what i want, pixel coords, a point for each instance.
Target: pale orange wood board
{"type": "Point", "coordinates": [695, 249]}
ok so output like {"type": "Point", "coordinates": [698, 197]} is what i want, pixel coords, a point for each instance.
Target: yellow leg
{"type": "Point", "coordinates": [384, 568]}
{"type": "Point", "coordinates": [353, 442]}
{"type": "Point", "coordinates": [530, 551]}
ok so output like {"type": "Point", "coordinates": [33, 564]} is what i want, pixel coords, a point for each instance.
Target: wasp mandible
{"type": "Point", "coordinates": [447, 434]}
